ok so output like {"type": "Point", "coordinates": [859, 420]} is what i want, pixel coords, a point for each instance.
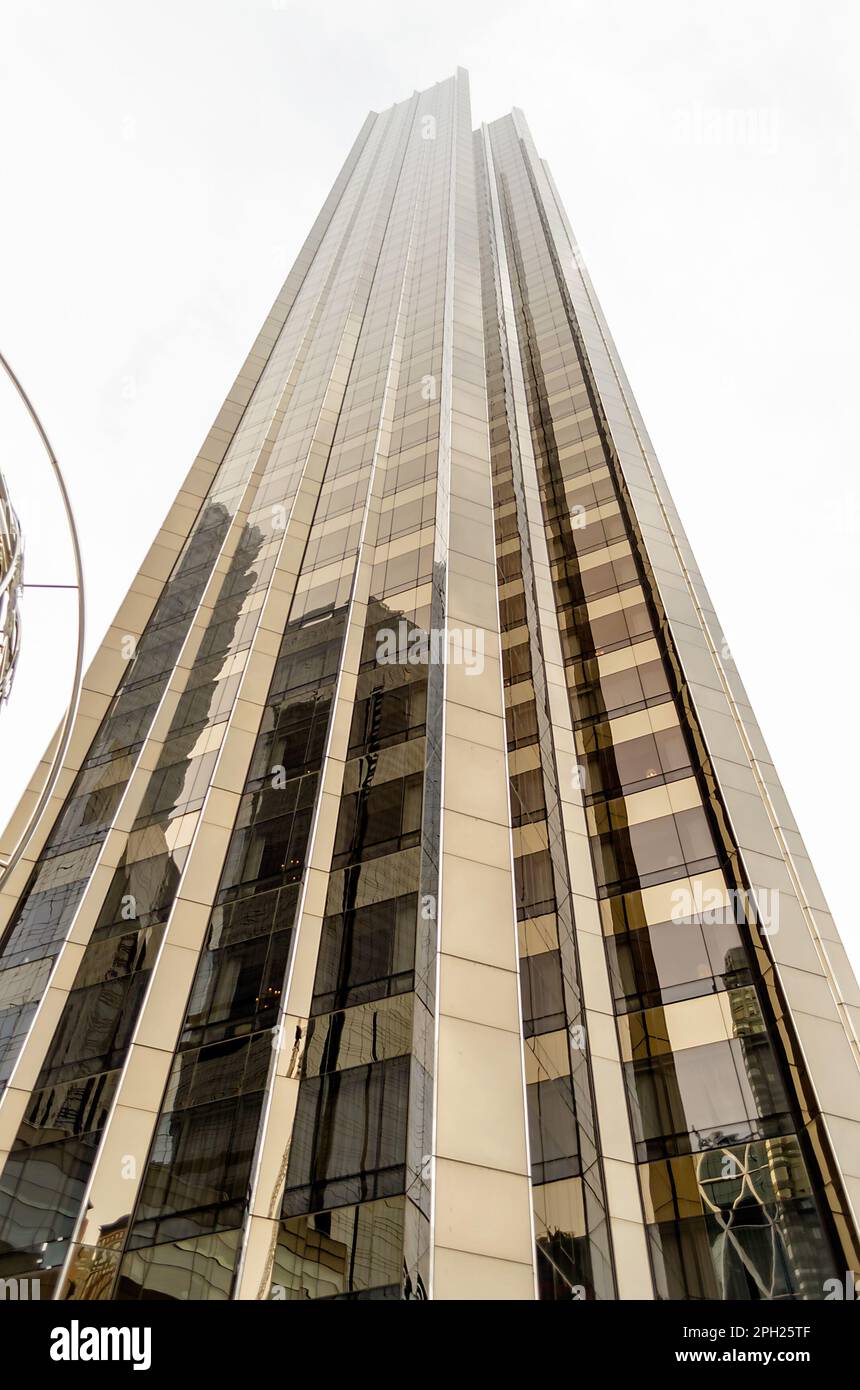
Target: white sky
{"type": "Point", "coordinates": [163, 162]}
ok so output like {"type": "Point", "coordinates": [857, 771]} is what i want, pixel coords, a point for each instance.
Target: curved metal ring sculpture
{"type": "Point", "coordinates": [10, 590]}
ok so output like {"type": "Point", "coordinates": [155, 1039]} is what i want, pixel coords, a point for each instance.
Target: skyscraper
{"type": "Point", "coordinates": [420, 914]}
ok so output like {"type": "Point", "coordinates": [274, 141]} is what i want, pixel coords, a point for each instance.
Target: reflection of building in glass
{"type": "Point", "coordinates": [97, 1269]}
{"type": "Point", "coordinates": [11, 579]}
{"type": "Point", "coordinates": [344, 974]}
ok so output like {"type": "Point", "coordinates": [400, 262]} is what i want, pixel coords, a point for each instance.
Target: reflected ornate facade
{"type": "Point", "coordinates": [493, 968]}
{"type": "Point", "coordinates": [11, 582]}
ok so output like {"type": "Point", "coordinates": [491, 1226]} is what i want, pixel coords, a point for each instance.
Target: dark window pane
{"type": "Point", "coordinates": [349, 1136]}
{"type": "Point", "coordinates": [542, 991]}
{"type": "Point", "coordinates": [366, 954]}
{"type": "Point", "coordinates": [552, 1130]}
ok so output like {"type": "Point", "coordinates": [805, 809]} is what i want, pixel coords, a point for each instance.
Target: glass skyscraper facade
{"type": "Point", "coordinates": [419, 914]}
